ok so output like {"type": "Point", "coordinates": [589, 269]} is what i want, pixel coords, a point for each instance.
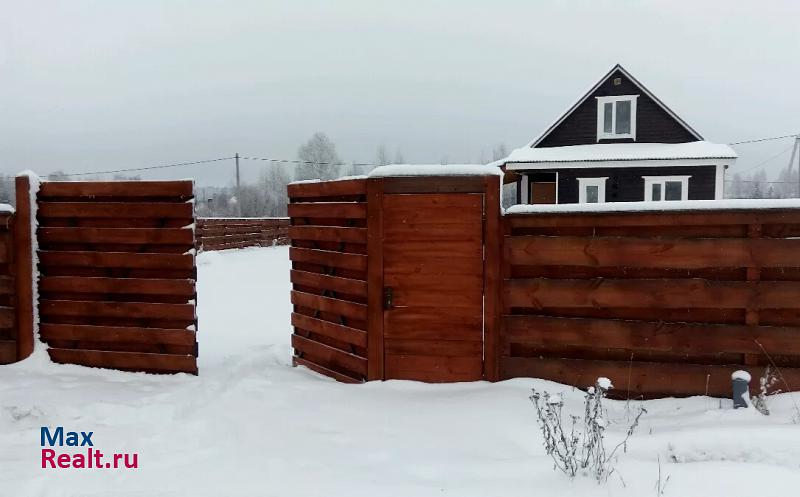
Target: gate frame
{"type": "Point", "coordinates": [489, 186]}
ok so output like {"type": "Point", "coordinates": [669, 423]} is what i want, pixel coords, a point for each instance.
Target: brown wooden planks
{"type": "Point", "coordinates": [331, 283]}
{"type": "Point", "coordinates": [134, 210]}
{"type": "Point", "coordinates": [116, 189]}
{"type": "Point", "coordinates": [329, 258]}
{"type": "Point", "coordinates": [335, 188]}
{"type": "Point", "coordinates": [137, 310]}
{"type": "Point", "coordinates": [50, 258]}
{"type": "Point", "coordinates": [346, 210]}
{"type": "Point", "coordinates": [299, 361]}
{"type": "Point", "coordinates": [129, 361]}
{"type": "Point", "coordinates": [685, 338]}
{"type": "Point", "coordinates": [328, 233]}
{"type": "Point", "coordinates": [152, 236]}
{"type": "Point", "coordinates": [667, 253]}
{"type": "Point", "coordinates": [538, 293]}
{"type": "Point", "coordinates": [136, 286]}
{"type": "Point", "coordinates": [327, 304]}
{"type": "Point", "coordinates": [433, 369]}
{"type": "Point", "coordinates": [329, 329]}
{"type": "Point", "coordinates": [8, 351]}
{"type": "Point", "coordinates": [123, 334]}
{"type": "Point", "coordinates": [649, 379]}
{"type": "Point", "coordinates": [331, 356]}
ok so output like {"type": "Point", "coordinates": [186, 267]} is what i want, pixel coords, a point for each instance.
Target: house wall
{"type": "Point", "coordinates": [653, 123]}
{"type": "Point", "coordinates": [627, 184]}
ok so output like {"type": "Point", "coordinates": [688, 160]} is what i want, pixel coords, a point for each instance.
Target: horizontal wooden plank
{"type": "Point", "coordinates": [133, 210]}
{"type": "Point", "coordinates": [441, 348]}
{"type": "Point", "coordinates": [8, 351]}
{"type": "Point", "coordinates": [538, 293]}
{"type": "Point", "coordinates": [129, 361]}
{"type": "Point", "coordinates": [138, 310]}
{"type": "Point", "coordinates": [116, 188]}
{"type": "Point", "coordinates": [119, 334]}
{"type": "Point", "coordinates": [666, 253]}
{"type": "Point", "coordinates": [331, 357]}
{"type": "Point", "coordinates": [431, 325]}
{"type": "Point", "coordinates": [7, 317]}
{"type": "Point", "coordinates": [7, 285]}
{"type": "Point", "coordinates": [432, 369]}
{"type": "Point", "coordinates": [326, 282]}
{"type": "Point", "coordinates": [116, 260]}
{"type": "Point", "coordinates": [138, 286]}
{"type": "Point", "coordinates": [325, 210]}
{"type": "Point", "coordinates": [683, 338]}
{"type": "Point", "coordinates": [638, 378]}
{"type": "Point", "coordinates": [328, 233]}
{"type": "Point", "coordinates": [234, 221]}
{"type": "Point", "coordinates": [327, 304]}
{"type": "Point", "coordinates": [329, 258]}
{"type": "Point", "coordinates": [424, 250]}
{"type": "Point", "coordinates": [328, 329]}
{"type": "Point", "coordinates": [433, 184]}
{"type": "Point", "coordinates": [664, 218]}
{"type": "Point", "coordinates": [334, 188]}
{"type": "Point", "coordinates": [299, 361]}
{"type": "Point", "coordinates": [150, 236]}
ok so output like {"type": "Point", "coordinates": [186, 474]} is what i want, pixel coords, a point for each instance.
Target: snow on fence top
{"type": "Point", "coordinates": [623, 151]}
{"type": "Point", "coordinates": [6, 208]}
{"type": "Point", "coordinates": [435, 170]}
{"type": "Point", "coordinates": [343, 178]}
{"type": "Point", "coordinates": [678, 205]}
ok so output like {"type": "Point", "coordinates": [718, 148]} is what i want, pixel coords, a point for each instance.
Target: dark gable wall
{"type": "Point", "coordinates": [653, 124]}
{"type": "Point", "coordinates": [625, 184]}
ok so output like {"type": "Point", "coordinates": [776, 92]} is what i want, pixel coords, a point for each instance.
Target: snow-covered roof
{"type": "Point", "coordinates": [591, 90]}
{"type": "Point", "coordinates": [677, 205]}
{"type": "Point", "coordinates": [623, 152]}
{"type": "Point", "coordinates": [435, 170]}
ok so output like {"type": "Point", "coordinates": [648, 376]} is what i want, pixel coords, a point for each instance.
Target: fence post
{"type": "Point", "coordinates": [375, 367]}
{"type": "Point", "coordinates": [23, 268]}
{"type": "Point", "coordinates": [493, 239]}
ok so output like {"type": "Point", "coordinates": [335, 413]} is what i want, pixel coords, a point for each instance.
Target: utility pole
{"type": "Point", "coordinates": [238, 187]}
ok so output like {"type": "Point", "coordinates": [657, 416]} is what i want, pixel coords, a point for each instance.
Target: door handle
{"type": "Point", "coordinates": [388, 296]}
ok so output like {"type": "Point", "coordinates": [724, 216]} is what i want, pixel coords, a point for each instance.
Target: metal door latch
{"type": "Point", "coordinates": [387, 297]}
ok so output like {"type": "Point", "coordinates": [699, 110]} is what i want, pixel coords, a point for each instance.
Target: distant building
{"type": "Point", "coordinates": [619, 143]}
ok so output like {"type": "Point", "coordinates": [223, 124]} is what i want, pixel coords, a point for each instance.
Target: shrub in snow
{"type": "Point", "coordinates": [766, 387]}
{"type": "Point", "coordinates": [577, 445]}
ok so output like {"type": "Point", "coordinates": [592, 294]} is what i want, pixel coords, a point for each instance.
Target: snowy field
{"type": "Point", "coordinates": [251, 425]}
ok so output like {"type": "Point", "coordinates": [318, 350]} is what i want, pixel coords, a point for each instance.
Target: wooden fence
{"type": "Point", "coordinates": [665, 303]}
{"type": "Point", "coordinates": [219, 233]}
{"type": "Point", "coordinates": [662, 302]}
{"type": "Point", "coordinates": [16, 278]}
{"type": "Point", "coordinates": [117, 286]}
{"type": "Point", "coordinates": [329, 277]}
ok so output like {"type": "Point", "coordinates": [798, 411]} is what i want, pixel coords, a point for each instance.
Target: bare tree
{"type": "Point", "coordinates": [273, 182]}
{"type": "Point", "coordinates": [499, 152]}
{"type": "Point", "coordinates": [321, 160]}
{"type": "Point", "coordinates": [382, 155]}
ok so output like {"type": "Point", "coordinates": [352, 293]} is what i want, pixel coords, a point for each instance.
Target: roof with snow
{"type": "Point", "coordinates": [622, 152]}
{"type": "Point", "coordinates": [587, 94]}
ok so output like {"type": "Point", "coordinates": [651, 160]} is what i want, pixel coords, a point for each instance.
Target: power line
{"type": "Point", "coordinates": [762, 163]}
{"type": "Point", "coordinates": [295, 161]}
{"type": "Point", "coordinates": [755, 181]}
{"type": "Point", "coordinates": [148, 168]}
{"type": "Point", "coordinates": [765, 139]}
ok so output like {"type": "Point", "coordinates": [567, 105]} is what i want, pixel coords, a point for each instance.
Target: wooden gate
{"type": "Point", "coordinates": [430, 278]}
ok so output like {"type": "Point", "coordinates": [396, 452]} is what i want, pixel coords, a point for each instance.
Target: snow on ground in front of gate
{"type": "Point", "coordinates": [251, 425]}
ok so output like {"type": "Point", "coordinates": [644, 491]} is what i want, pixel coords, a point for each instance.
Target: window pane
{"type": "Point", "coordinates": [656, 191]}
{"type": "Point", "coordinates": [608, 109]}
{"type": "Point", "coordinates": [623, 117]}
{"type": "Point", "coordinates": [672, 190]}
{"type": "Point", "coordinates": [592, 193]}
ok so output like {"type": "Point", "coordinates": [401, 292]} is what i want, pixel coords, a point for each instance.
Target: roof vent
{"type": "Point", "coordinates": [617, 81]}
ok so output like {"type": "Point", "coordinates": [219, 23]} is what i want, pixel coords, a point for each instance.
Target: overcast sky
{"type": "Point", "coordinates": [95, 85]}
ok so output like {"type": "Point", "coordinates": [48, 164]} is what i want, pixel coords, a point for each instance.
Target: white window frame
{"type": "Point", "coordinates": [600, 183]}
{"type": "Point", "coordinates": [649, 181]}
{"type": "Point", "coordinates": [601, 101]}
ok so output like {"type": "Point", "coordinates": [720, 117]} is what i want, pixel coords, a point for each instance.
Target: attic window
{"type": "Point", "coordinates": [616, 117]}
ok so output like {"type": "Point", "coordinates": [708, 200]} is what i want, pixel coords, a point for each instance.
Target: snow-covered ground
{"type": "Point", "coordinates": [251, 425]}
